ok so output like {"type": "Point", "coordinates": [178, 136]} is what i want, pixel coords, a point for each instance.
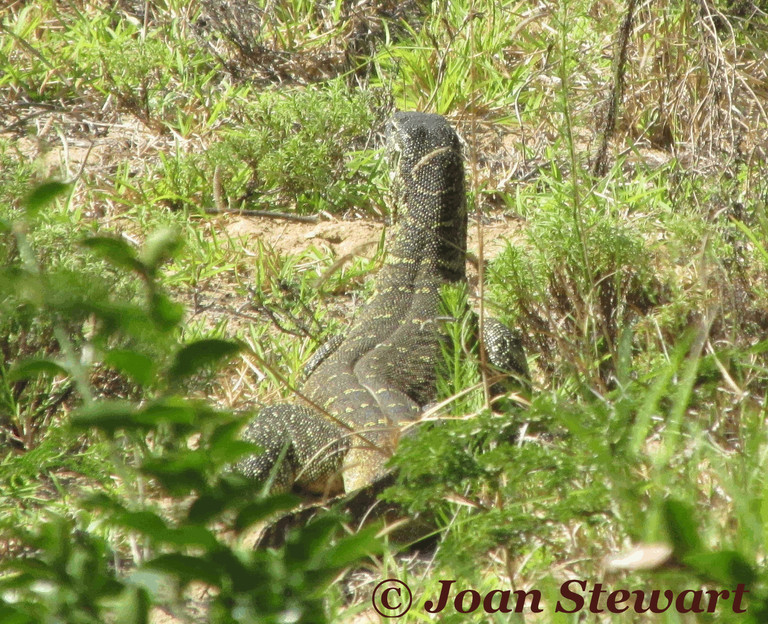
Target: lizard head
{"type": "Point", "coordinates": [427, 172]}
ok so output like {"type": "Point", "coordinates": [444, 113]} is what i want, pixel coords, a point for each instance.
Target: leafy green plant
{"type": "Point", "coordinates": [68, 575]}
{"type": "Point", "coordinates": [292, 147]}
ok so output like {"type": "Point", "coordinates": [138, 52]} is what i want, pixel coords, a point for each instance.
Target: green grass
{"type": "Point", "coordinates": [138, 332]}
